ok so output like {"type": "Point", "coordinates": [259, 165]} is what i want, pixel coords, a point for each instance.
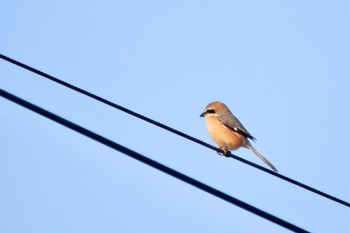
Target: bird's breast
{"type": "Point", "coordinates": [222, 135]}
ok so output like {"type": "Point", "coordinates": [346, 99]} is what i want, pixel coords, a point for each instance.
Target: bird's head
{"type": "Point", "coordinates": [215, 109]}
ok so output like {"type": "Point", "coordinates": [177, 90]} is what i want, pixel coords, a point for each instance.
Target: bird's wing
{"type": "Point", "coordinates": [231, 122]}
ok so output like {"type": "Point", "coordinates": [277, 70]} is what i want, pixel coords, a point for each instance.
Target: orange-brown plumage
{"type": "Point", "coordinates": [226, 138]}
{"type": "Point", "coordinates": [227, 131]}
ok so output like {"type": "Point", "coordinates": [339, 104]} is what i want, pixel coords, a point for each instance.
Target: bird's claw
{"type": "Point", "coordinates": [224, 153]}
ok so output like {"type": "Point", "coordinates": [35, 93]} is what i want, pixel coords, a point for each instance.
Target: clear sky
{"type": "Point", "coordinates": [282, 67]}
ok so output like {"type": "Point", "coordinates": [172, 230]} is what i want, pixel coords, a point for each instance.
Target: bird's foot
{"type": "Point", "coordinates": [224, 152]}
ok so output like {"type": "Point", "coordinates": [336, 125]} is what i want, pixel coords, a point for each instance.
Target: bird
{"type": "Point", "coordinates": [227, 131]}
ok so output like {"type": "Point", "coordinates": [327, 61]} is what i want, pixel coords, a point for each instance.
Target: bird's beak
{"type": "Point", "coordinates": [203, 114]}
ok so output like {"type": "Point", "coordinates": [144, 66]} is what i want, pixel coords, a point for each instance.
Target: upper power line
{"type": "Point", "coordinates": [135, 114]}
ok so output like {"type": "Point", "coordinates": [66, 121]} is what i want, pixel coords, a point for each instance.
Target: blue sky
{"type": "Point", "coordinates": [282, 67]}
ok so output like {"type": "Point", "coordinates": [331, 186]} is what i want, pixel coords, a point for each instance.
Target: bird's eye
{"type": "Point", "coordinates": [210, 111]}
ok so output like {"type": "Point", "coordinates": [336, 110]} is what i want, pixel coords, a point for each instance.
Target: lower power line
{"type": "Point", "coordinates": [150, 162]}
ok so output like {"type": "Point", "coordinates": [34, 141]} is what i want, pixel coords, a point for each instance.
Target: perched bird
{"type": "Point", "coordinates": [227, 131]}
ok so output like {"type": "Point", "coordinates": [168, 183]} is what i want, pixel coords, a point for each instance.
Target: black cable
{"type": "Point", "coordinates": [316, 191]}
{"type": "Point", "coordinates": [150, 162]}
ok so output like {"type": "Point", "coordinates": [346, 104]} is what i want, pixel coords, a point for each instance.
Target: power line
{"type": "Point", "coordinates": [100, 99]}
{"type": "Point", "coordinates": [150, 162]}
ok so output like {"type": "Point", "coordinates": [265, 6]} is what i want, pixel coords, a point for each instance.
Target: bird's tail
{"type": "Point", "coordinates": [262, 157]}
